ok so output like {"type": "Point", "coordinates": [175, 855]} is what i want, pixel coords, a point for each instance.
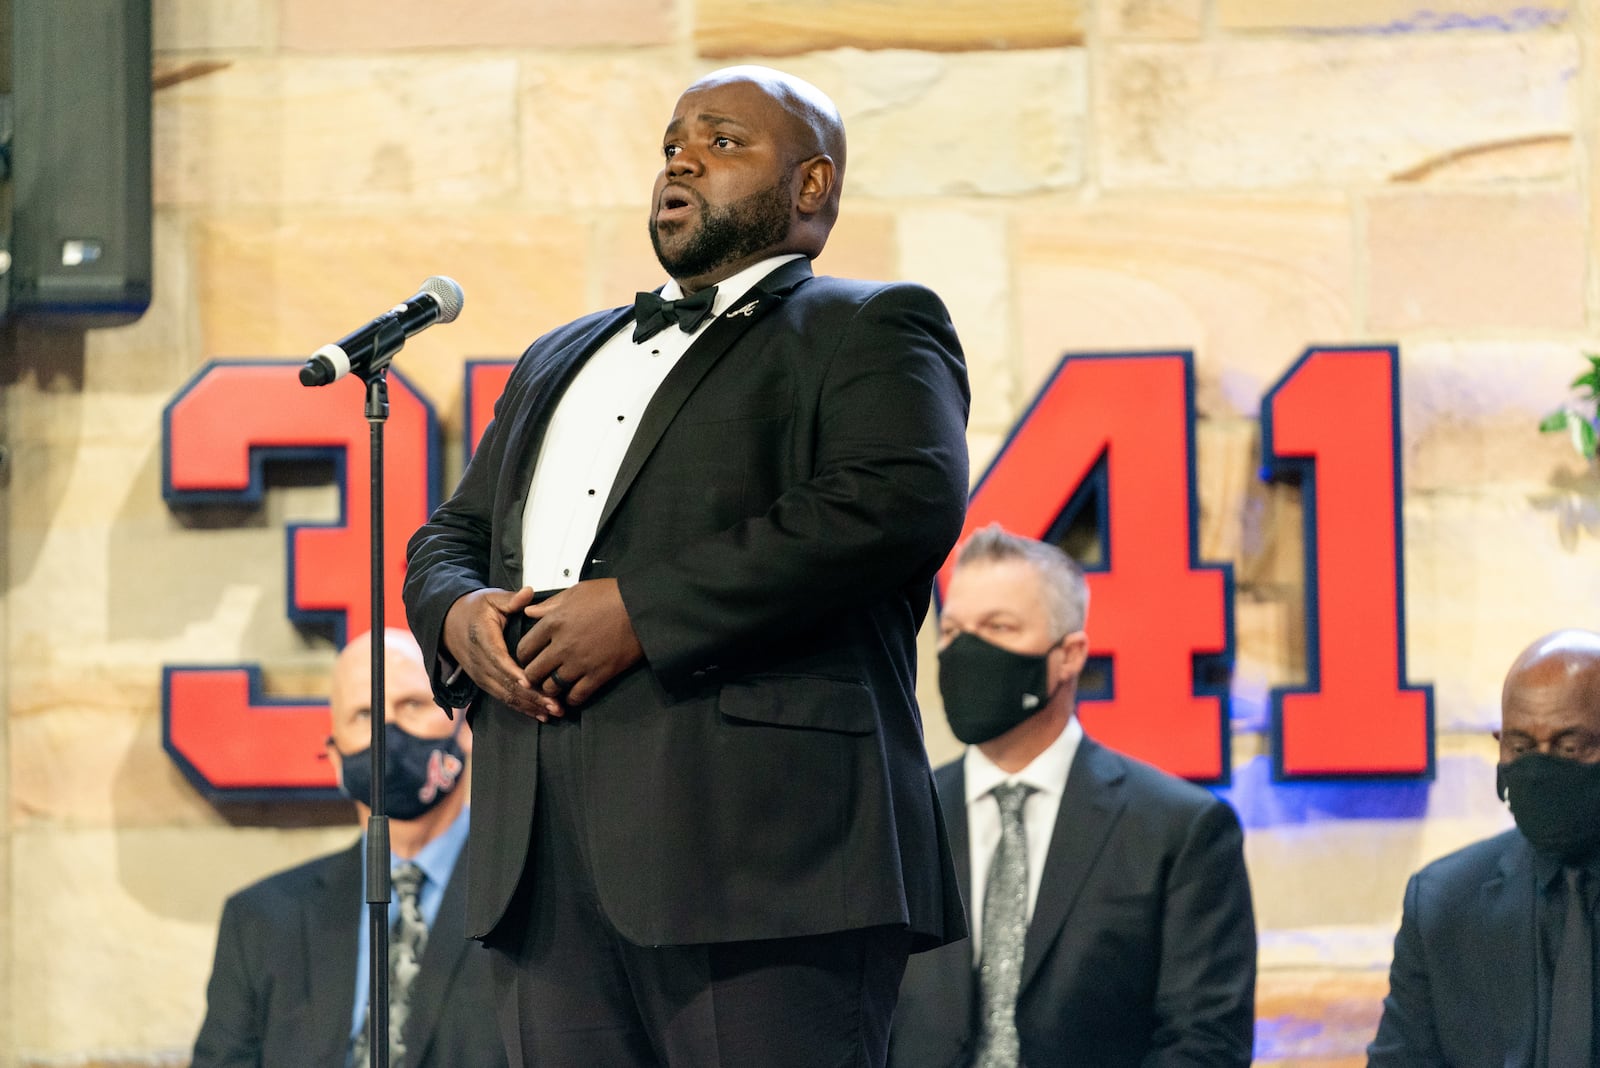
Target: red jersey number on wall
{"type": "Point", "coordinates": [219, 432]}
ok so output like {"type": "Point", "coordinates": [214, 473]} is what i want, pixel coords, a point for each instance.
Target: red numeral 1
{"type": "Point", "coordinates": [1331, 423]}
{"type": "Point", "coordinates": [1125, 422]}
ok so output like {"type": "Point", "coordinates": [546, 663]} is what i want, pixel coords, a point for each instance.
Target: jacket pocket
{"type": "Point", "coordinates": [806, 702]}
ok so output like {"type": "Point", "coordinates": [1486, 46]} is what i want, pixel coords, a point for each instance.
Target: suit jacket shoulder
{"type": "Point", "coordinates": [1464, 981]}
{"type": "Point", "coordinates": [576, 327]}
{"type": "Point", "coordinates": [826, 286]}
{"type": "Point", "coordinates": [825, 294]}
{"type": "Point", "coordinates": [272, 897]}
{"type": "Point", "coordinates": [1155, 787]}
{"type": "Point", "coordinates": [1469, 867]}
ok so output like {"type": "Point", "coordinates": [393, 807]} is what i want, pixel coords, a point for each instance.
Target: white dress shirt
{"type": "Point", "coordinates": [1047, 774]}
{"type": "Point", "coordinates": [591, 428]}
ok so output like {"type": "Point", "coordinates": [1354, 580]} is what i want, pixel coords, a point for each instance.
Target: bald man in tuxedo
{"type": "Point", "coordinates": [679, 587]}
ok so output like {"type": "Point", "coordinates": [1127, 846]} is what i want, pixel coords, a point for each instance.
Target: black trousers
{"type": "Point", "coordinates": [573, 993]}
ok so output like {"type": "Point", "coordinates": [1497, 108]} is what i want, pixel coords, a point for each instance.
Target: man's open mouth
{"type": "Point", "coordinates": [675, 204]}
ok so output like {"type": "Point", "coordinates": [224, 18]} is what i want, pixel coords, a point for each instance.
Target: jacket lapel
{"type": "Point", "coordinates": [549, 380]}
{"type": "Point", "coordinates": [1509, 911]}
{"type": "Point", "coordinates": [952, 783]}
{"type": "Point", "coordinates": [1090, 807]}
{"type": "Point", "coordinates": [447, 945]}
{"type": "Point", "coordinates": [332, 918]}
{"type": "Point", "coordinates": [702, 355]}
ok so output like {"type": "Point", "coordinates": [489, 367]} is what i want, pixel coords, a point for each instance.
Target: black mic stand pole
{"type": "Point", "coordinates": [378, 889]}
{"type": "Point", "coordinates": [388, 340]}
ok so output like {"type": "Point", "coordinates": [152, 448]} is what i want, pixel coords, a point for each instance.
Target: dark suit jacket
{"type": "Point", "coordinates": [283, 987]}
{"type": "Point", "coordinates": [793, 487]}
{"type": "Point", "coordinates": [1464, 985]}
{"type": "Point", "coordinates": [1142, 945]}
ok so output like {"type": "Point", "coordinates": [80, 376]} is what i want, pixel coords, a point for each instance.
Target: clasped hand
{"type": "Point", "coordinates": [581, 639]}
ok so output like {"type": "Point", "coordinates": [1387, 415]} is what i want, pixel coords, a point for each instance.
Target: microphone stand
{"type": "Point", "coordinates": [378, 888]}
{"type": "Point", "coordinates": [388, 340]}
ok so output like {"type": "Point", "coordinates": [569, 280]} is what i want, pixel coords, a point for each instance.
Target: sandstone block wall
{"type": "Point", "coordinates": [1239, 177]}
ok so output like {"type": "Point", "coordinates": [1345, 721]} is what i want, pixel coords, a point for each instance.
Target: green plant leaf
{"type": "Point", "coordinates": [1553, 422]}
{"type": "Point", "coordinates": [1584, 438]}
{"type": "Point", "coordinates": [1589, 380]}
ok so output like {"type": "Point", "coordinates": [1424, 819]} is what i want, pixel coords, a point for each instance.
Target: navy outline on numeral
{"type": "Point", "coordinates": [1301, 471]}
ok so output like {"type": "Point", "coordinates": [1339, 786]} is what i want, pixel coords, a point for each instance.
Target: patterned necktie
{"type": "Point", "coordinates": [1005, 929]}
{"type": "Point", "coordinates": [1572, 985]}
{"type": "Point", "coordinates": [407, 939]}
{"type": "Point", "coordinates": [651, 314]}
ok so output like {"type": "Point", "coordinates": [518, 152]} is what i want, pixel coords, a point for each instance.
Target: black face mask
{"type": "Point", "coordinates": [988, 690]}
{"type": "Point", "coordinates": [1556, 803]}
{"type": "Point", "coordinates": [421, 772]}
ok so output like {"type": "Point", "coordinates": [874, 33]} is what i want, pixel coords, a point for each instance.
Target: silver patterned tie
{"type": "Point", "coordinates": [1005, 929]}
{"type": "Point", "coordinates": [408, 938]}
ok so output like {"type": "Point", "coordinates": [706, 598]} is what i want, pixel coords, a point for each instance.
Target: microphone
{"type": "Point", "coordinates": [374, 345]}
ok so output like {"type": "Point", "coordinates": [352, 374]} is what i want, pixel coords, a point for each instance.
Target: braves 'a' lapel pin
{"type": "Point", "coordinates": [748, 309]}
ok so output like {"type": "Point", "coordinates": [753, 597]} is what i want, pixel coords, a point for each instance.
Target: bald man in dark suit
{"type": "Point", "coordinates": [1494, 960]}
{"type": "Point", "coordinates": [288, 988]}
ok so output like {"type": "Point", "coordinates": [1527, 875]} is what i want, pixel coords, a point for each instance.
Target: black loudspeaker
{"type": "Point", "coordinates": [80, 160]}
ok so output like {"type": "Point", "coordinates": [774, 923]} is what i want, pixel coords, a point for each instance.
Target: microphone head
{"type": "Point", "coordinates": [448, 295]}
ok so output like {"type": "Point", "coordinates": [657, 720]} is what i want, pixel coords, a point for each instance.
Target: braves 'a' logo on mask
{"type": "Point", "coordinates": [443, 771]}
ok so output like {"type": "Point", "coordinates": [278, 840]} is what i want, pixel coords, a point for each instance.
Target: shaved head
{"type": "Point", "coordinates": [1550, 701]}
{"type": "Point", "coordinates": [815, 126]}
{"type": "Point", "coordinates": [1567, 660]}
{"type": "Point", "coordinates": [352, 671]}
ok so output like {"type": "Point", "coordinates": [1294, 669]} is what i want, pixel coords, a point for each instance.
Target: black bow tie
{"type": "Point", "coordinates": [651, 314]}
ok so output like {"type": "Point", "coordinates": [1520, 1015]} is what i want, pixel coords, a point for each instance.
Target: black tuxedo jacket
{"type": "Point", "coordinates": [1465, 985]}
{"type": "Point", "coordinates": [1142, 946]}
{"type": "Point", "coordinates": [792, 488]}
{"type": "Point", "coordinates": [283, 987]}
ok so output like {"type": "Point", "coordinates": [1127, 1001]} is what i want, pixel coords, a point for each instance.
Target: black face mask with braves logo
{"type": "Point", "coordinates": [421, 772]}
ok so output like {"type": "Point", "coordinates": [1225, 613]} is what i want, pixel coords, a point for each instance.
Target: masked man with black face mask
{"type": "Point", "coordinates": [290, 984]}
{"type": "Point", "coordinates": [1108, 901]}
{"type": "Point", "coordinates": [1494, 963]}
